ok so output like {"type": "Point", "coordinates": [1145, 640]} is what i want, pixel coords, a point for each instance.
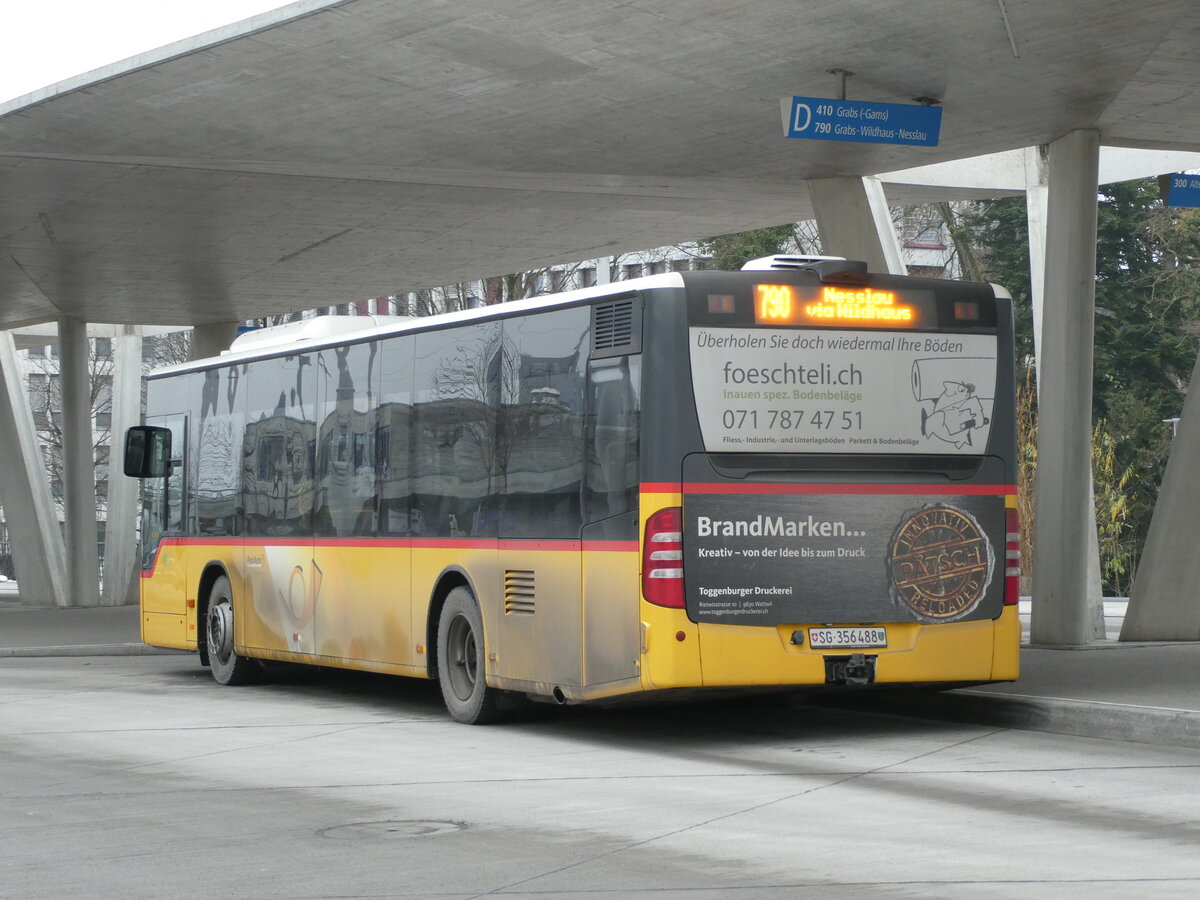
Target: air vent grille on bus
{"type": "Point", "coordinates": [617, 327]}
{"type": "Point", "coordinates": [519, 592]}
{"type": "Point", "coordinates": [614, 324]}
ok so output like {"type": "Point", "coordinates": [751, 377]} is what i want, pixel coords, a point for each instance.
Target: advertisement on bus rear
{"type": "Point", "coordinates": [791, 554]}
{"type": "Point", "coordinates": [830, 391]}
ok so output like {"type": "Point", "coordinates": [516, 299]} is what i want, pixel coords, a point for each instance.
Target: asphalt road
{"type": "Point", "coordinates": [137, 776]}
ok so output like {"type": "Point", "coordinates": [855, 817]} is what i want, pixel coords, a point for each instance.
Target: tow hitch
{"type": "Point", "coordinates": [857, 668]}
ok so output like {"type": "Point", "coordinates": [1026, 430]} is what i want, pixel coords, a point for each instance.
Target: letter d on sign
{"type": "Point", "coordinates": [797, 116]}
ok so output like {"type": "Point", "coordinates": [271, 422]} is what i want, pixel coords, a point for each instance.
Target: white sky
{"type": "Point", "coordinates": [46, 41]}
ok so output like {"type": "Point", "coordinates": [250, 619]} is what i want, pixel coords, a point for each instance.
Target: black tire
{"type": "Point", "coordinates": [227, 666]}
{"type": "Point", "coordinates": [461, 661]}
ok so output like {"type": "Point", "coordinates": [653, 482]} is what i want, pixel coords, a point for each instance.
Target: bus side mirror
{"type": "Point", "coordinates": [148, 452]}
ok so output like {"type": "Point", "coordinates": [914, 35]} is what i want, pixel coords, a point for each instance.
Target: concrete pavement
{"type": "Point", "coordinates": [94, 631]}
{"type": "Point", "coordinates": [1146, 692]}
{"type": "Point", "coordinates": [138, 778]}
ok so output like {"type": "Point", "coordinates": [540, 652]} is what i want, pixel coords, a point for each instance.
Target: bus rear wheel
{"type": "Point", "coordinates": [461, 661]}
{"type": "Point", "coordinates": [227, 666]}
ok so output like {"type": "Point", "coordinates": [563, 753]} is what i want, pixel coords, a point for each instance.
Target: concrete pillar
{"type": "Point", "coordinates": [120, 543]}
{"type": "Point", "coordinates": [1036, 195]}
{"type": "Point", "coordinates": [854, 221]}
{"type": "Point", "coordinates": [1164, 604]}
{"type": "Point", "coordinates": [33, 529]}
{"type": "Point", "coordinates": [210, 340]}
{"type": "Point", "coordinates": [79, 466]}
{"type": "Point", "coordinates": [1060, 612]}
{"type": "Point", "coordinates": [1036, 199]}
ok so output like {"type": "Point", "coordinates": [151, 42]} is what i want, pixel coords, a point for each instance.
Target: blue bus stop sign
{"type": "Point", "coordinates": [1184, 190]}
{"type": "Point", "coordinates": [822, 119]}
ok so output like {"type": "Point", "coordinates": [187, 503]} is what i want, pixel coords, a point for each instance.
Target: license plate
{"type": "Point", "coordinates": [819, 638]}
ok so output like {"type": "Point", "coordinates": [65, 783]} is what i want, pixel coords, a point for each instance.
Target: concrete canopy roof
{"type": "Point", "coordinates": [331, 152]}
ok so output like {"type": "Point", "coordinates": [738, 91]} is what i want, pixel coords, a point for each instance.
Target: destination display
{"type": "Point", "coordinates": [766, 390]}
{"type": "Point", "coordinates": [861, 307]}
{"type": "Point", "coordinates": [771, 558]}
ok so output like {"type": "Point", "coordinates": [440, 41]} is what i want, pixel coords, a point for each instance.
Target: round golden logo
{"type": "Point", "coordinates": [939, 563]}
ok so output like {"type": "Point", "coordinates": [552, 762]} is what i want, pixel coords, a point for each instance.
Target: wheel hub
{"type": "Point", "coordinates": [220, 630]}
{"type": "Point", "coordinates": [464, 660]}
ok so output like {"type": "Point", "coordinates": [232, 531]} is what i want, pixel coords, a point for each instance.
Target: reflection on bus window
{"type": "Point", "coordinates": [218, 451]}
{"type": "Point", "coordinates": [277, 474]}
{"type": "Point", "coordinates": [454, 466]}
{"type": "Point", "coordinates": [541, 432]}
{"type": "Point", "coordinates": [614, 423]}
{"type": "Point", "coordinates": [348, 478]}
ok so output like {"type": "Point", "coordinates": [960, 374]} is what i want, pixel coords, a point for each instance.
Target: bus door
{"type": "Point", "coordinates": [362, 603]}
{"type": "Point", "coordinates": [611, 623]}
{"type": "Point", "coordinates": [282, 584]}
{"type": "Point", "coordinates": [164, 561]}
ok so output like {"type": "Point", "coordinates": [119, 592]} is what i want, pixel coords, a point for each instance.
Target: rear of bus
{"type": "Point", "coordinates": [828, 492]}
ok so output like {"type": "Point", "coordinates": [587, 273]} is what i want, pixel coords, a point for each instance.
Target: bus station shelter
{"type": "Point", "coordinates": [334, 151]}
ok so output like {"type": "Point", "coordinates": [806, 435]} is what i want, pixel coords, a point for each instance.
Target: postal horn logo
{"type": "Point", "coordinates": [939, 563]}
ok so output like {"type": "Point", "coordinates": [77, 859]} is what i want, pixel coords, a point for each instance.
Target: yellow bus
{"type": "Point", "coordinates": [795, 474]}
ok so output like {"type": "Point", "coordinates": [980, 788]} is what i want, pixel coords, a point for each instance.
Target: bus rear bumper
{"type": "Point", "coordinates": [739, 655]}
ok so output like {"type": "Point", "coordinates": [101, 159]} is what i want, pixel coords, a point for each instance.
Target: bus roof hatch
{"type": "Point", "coordinates": [830, 269]}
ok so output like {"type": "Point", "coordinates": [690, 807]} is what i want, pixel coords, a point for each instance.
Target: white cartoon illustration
{"type": "Point", "coordinates": [952, 409]}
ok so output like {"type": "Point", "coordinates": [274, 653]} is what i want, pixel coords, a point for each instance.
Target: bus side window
{"type": "Point", "coordinates": [540, 424]}
{"type": "Point", "coordinates": [279, 441]}
{"type": "Point", "coordinates": [218, 451]}
{"type": "Point", "coordinates": [613, 430]}
{"type": "Point", "coordinates": [455, 458]}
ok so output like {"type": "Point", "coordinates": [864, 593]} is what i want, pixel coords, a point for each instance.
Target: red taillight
{"type": "Point", "coordinates": [662, 558]}
{"type": "Point", "coordinates": [1012, 558]}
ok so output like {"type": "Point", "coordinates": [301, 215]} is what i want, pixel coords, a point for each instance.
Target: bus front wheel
{"type": "Point", "coordinates": [461, 659]}
{"type": "Point", "coordinates": [227, 666]}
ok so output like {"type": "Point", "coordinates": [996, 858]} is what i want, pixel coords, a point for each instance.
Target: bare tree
{"type": "Point", "coordinates": [45, 396]}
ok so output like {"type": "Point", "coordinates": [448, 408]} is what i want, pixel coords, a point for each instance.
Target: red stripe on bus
{"type": "Point", "coordinates": [955, 490]}
{"type": "Point", "coordinates": [612, 546]}
{"type": "Point", "coordinates": [356, 542]}
{"type": "Point", "coordinates": [575, 546]}
{"type": "Point", "coordinates": [454, 543]}
{"type": "Point", "coordinates": [542, 546]}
